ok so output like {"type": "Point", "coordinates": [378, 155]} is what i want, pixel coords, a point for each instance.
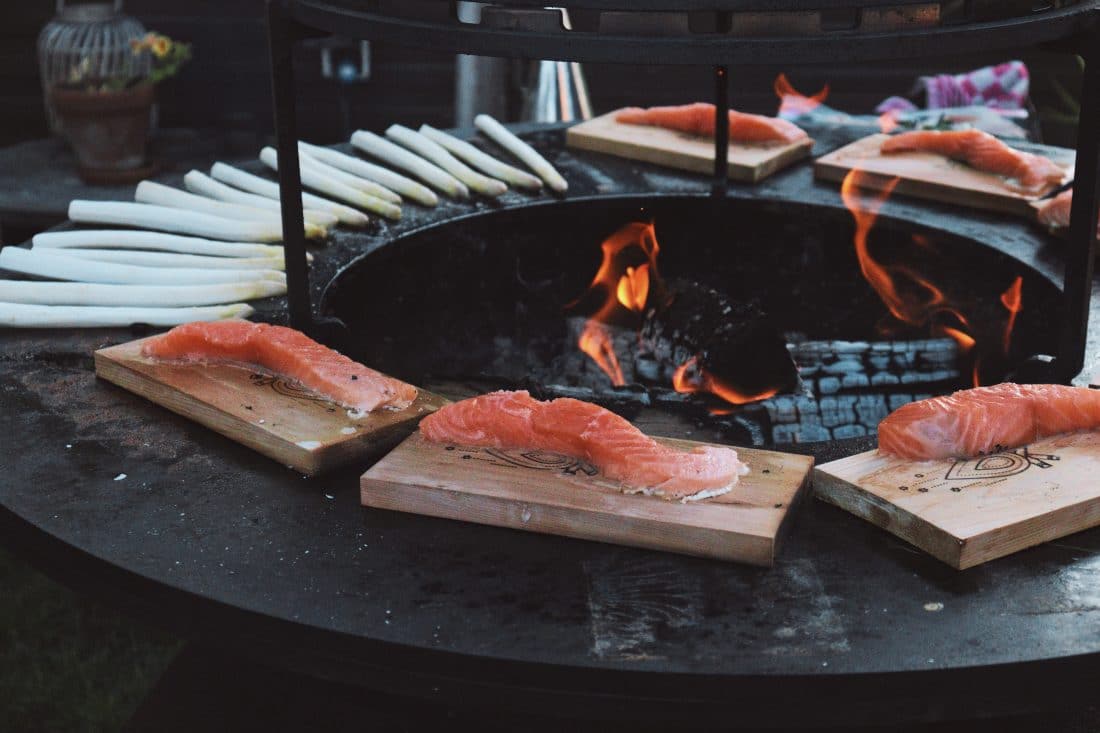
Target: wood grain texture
{"type": "Point", "coordinates": [544, 492]}
{"type": "Point", "coordinates": [266, 413]}
{"type": "Point", "coordinates": [749, 163]}
{"type": "Point", "coordinates": [931, 176]}
{"type": "Point", "coordinates": [967, 512]}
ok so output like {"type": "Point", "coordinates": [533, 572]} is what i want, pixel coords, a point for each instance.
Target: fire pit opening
{"type": "Point", "coordinates": [771, 323]}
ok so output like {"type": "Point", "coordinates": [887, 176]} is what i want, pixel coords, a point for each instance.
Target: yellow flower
{"type": "Point", "coordinates": [161, 45]}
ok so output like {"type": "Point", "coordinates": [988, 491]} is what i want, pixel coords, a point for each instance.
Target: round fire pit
{"type": "Point", "coordinates": [220, 544]}
{"type": "Point", "coordinates": [502, 299]}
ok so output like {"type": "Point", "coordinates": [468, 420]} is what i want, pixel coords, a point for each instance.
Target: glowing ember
{"type": "Point", "coordinates": [634, 288]}
{"type": "Point", "coordinates": [690, 378]}
{"type": "Point", "coordinates": [793, 103]}
{"type": "Point", "coordinates": [1013, 300]}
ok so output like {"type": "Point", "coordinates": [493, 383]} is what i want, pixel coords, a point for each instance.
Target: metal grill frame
{"type": "Point", "coordinates": [1074, 29]}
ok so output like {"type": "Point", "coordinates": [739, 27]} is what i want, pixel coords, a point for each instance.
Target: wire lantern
{"type": "Point", "coordinates": [88, 44]}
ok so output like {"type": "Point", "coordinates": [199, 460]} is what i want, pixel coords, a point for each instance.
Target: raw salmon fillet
{"type": "Point", "coordinates": [978, 149]}
{"type": "Point", "coordinates": [986, 419]}
{"type": "Point", "coordinates": [698, 119]}
{"type": "Point", "coordinates": [1055, 212]}
{"type": "Point", "coordinates": [588, 432]}
{"type": "Point", "coordinates": [285, 352]}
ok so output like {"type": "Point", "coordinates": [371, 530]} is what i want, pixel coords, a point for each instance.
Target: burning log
{"type": "Point", "coordinates": [702, 340]}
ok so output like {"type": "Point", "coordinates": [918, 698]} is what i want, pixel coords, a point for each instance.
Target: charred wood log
{"type": "Point", "coordinates": [732, 341]}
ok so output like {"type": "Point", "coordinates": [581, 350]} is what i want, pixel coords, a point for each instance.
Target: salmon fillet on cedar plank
{"type": "Point", "coordinates": [699, 119]}
{"type": "Point", "coordinates": [980, 150]}
{"type": "Point", "coordinates": [288, 353]}
{"type": "Point", "coordinates": [590, 433]}
{"type": "Point", "coordinates": [987, 419]}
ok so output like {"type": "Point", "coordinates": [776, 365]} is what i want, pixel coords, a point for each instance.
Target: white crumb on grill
{"type": "Point", "coordinates": [348, 431]}
{"type": "Point", "coordinates": [120, 477]}
{"type": "Point", "coordinates": [309, 444]}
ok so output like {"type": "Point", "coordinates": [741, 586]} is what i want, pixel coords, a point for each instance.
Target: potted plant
{"type": "Point", "coordinates": [106, 120]}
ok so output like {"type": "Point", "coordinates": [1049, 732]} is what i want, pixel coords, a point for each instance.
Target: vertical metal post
{"type": "Point", "coordinates": [281, 31]}
{"type": "Point", "coordinates": [721, 130]}
{"type": "Point", "coordinates": [1080, 252]}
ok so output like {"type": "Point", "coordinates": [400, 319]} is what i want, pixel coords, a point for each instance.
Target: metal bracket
{"type": "Point", "coordinates": [1080, 251]}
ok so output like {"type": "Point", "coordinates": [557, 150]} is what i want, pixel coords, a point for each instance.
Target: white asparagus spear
{"type": "Point", "coordinates": [151, 192]}
{"type": "Point", "coordinates": [362, 184]}
{"type": "Point", "coordinates": [396, 155]}
{"type": "Point", "coordinates": [200, 183]}
{"type": "Point", "coordinates": [318, 181]}
{"type": "Point", "coordinates": [482, 161]}
{"type": "Point", "coordinates": [146, 296]}
{"type": "Point", "coordinates": [530, 157]}
{"type": "Point", "coordinates": [404, 186]}
{"type": "Point", "coordinates": [131, 239]}
{"type": "Point", "coordinates": [44, 263]}
{"type": "Point", "coordinates": [169, 259]}
{"type": "Point", "coordinates": [263, 187]}
{"type": "Point", "coordinates": [163, 218]}
{"type": "Point", "coordinates": [20, 315]}
{"type": "Point", "coordinates": [433, 152]}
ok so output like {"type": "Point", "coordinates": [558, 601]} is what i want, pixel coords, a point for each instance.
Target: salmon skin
{"type": "Point", "coordinates": [977, 421]}
{"type": "Point", "coordinates": [285, 352]}
{"type": "Point", "coordinates": [698, 119]}
{"type": "Point", "coordinates": [588, 432]}
{"type": "Point", "coordinates": [1026, 172]}
{"type": "Point", "coordinates": [1054, 213]}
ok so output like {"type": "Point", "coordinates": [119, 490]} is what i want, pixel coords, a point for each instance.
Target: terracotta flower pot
{"type": "Point", "coordinates": [107, 130]}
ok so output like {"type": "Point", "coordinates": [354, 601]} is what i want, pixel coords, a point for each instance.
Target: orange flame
{"type": "Point", "coordinates": [908, 309]}
{"type": "Point", "coordinates": [633, 288]}
{"type": "Point", "coordinates": [690, 378]}
{"type": "Point", "coordinates": [1013, 300]}
{"type": "Point", "coordinates": [626, 289]}
{"type": "Point", "coordinates": [793, 103]}
{"type": "Point", "coordinates": [596, 341]}
{"type": "Point", "coordinates": [965, 340]}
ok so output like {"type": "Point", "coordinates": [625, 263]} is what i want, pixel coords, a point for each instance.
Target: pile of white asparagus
{"type": "Point", "coordinates": [201, 253]}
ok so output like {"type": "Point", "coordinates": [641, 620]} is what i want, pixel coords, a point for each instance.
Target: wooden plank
{"type": "Point", "coordinates": [749, 163]}
{"type": "Point", "coordinates": [266, 413]}
{"type": "Point", "coordinates": [967, 512]}
{"type": "Point", "coordinates": [931, 176]}
{"type": "Point", "coordinates": [544, 492]}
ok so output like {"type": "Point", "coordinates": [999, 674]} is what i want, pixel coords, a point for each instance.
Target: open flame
{"type": "Point", "coordinates": [1013, 300]}
{"type": "Point", "coordinates": [629, 258]}
{"type": "Point", "coordinates": [626, 283]}
{"type": "Point", "coordinates": [910, 296]}
{"type": "Point", "coordinates": [596, 341]}
{"type": "Point", "coordinates": [690, 378]}
{"type": "Point", "coordinates": [633, 288]}
{"type": "Point", "coordinates": [792, 103]}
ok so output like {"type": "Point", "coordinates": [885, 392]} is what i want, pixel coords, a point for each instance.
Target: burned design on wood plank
{"type": "Point", "coordinates": [999, 465]}
{"type": "Point", "coordinates": [982, 470]}
{"type": "Point", "coordinates": [289, 388]}
{"type": "Point", "coordinates": [540, 460]}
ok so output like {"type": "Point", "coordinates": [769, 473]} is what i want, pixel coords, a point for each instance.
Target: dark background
{"type": "Point", "coordinates": [226, 86]}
